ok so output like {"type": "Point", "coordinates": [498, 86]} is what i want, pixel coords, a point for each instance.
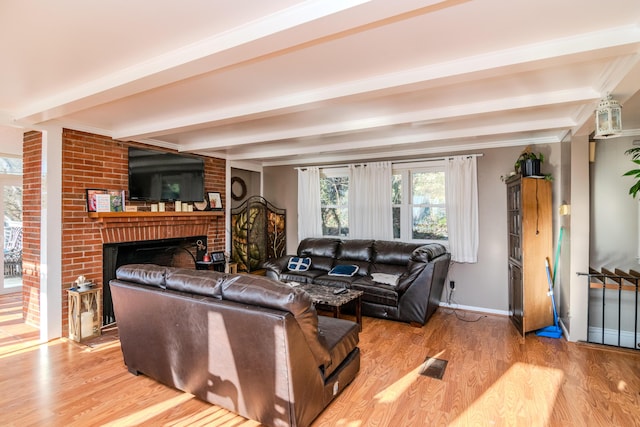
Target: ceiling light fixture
{"type": "Point", "coordinates": [608, 118]}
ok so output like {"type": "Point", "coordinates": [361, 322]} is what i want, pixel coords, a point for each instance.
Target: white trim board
{"type": "Point", "coordinates": [476, 309]}
{"type": "Point", "coordinates": [611, 337]}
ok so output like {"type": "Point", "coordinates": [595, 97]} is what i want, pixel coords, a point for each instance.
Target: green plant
{"type": "Point", "coordinates": [635, 158]}
{"type": "Point", "coordinates": [527, 154]}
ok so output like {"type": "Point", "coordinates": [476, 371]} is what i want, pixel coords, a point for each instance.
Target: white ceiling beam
{"type": "Point", "coordinates": [292, 149]}
{"type": "Point", "coordinates": [428, 116]}
{"type": "Point", "coordinates": [438, 149]}
{"type": "Point", "coordinates": [186, 61]}
{"type": "Point", "coordinates": [470, 68]}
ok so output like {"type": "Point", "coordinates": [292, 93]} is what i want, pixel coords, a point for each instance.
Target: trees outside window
{"type": "Point", "coordinates": [418, 199]}
{"type": "Point", "coordinates": [334, 202]}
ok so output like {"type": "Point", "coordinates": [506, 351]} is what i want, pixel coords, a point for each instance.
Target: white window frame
{"type": "Point", "coordinates": [335, 173]}
{"type": "Point", "coordinates": [406, 207]}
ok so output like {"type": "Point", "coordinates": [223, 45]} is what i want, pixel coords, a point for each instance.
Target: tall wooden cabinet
{"type": "Point", "coordinates": [530, 242]}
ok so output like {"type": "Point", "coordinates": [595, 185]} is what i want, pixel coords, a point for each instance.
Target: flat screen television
{"type": "Point", "coordinates": [165, 177]}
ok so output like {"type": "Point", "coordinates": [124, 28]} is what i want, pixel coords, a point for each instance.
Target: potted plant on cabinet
{"type": "Point", "coordinates": [528, 163]}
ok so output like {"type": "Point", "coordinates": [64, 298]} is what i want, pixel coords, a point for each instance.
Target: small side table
{"type": "Point", "coordinates": [85, 313]}
{"type": "Point", "coordinates": [231, 267]}
{"type": "Point", "coordinates": [208, 265]}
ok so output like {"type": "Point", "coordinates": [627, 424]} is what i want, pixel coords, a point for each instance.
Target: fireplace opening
{"type": "Point", "coordinates": [181, 252]}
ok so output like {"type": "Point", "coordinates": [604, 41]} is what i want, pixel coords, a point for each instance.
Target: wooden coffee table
{"type": "Point", "coordinates": [324, 297]}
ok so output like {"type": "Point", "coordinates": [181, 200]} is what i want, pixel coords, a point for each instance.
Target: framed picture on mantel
{"type": "Point", "coordinates": [92, 199]}
{"type": "Point", "coordinates": [215, 201]}
{"type": "Point", "coordinates": [101, 200]}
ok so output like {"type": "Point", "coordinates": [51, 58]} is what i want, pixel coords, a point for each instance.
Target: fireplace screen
{"type": "Point", "coordinates": [178, 252]}
{"type": "Point", "coordinates": [258, 233]}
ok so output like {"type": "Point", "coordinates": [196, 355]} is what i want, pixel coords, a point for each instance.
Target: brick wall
{"type": "Point", "coordinates": [31, 182]}
{"type": "Point", "coordinates": [95, 161]}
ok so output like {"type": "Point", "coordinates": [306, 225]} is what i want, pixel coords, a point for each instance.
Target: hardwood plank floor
{"type": "Point", "coordinates": [493, 377]}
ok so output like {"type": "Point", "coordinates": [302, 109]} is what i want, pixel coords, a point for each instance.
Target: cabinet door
{"type": "Point", "coordinates": [516, 303]}
{"type": "Point", "coordinates": [515, 221]}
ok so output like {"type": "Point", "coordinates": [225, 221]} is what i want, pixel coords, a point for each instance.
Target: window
{"type": "Point", "coordinates": [334, 202]}
{"type": "Point", "coordinates": [418, 202]}
{"type": "Point", "coordinates": [419, 209]}
{"type": "Point", "coordinates": [429, 213]}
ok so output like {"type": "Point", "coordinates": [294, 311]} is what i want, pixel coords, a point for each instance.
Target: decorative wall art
{"type": "Point", "coordinates": [215, 201]}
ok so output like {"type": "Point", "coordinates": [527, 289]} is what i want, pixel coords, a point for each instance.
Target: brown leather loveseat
{"type": "Point", "coordinates": [246, 343]}
{"type": "Point", "coordinates": [412, 274]}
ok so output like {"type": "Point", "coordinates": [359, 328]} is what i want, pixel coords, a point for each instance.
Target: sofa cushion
{"type": "Point", "coordinates": [318, 247]}
{"type": "Point", "coordinates": [344, 270]}
{"type": "Point", "coordinates": [199, 282]}
{"type": "Point", "coordinates": [322, 263]}
{"type": "Point", "coordinates": [385, 278]}
{"type": "Point", "coordinates": [341, 337]}
{"type": "Point", "coordinates": [261, 291]}
{"type": "Point", "coordinates": [387, 269]}
{"type": "Point", "coordinates": [299, 263]}
{"type": "Point", "coordinates": [397, 253]}
{"type": "Point", "coordinates": [301, 276]}
{"type": "Point", "coordinates": [322, 251]}
{"type": "Point", "coordinates": [377, 293]}
{"type": "Point", "coordinates": [339, 281]}
{"type": "Point", "coordinates": [356, 250]}
{"type": "Point", "coordinates": [145, 274]}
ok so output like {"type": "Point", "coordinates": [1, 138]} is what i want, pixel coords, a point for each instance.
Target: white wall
{"type": "Point", "coordinates": [251, 180]}
{"type": "Point", "coordinates": [614, 213]}
{"type": "Point", "coordinates": [280, 187]}
{"type": "Point", "coordinates": [482, 285]}
{"type": "Point", "coordinates": [614, 236]}
{"type": "Point", "coordinates": [579, 231]}
{"type": "Point", "coordinates": [10, 141]}
{"type": "Point", "coordinates": [563, 271]}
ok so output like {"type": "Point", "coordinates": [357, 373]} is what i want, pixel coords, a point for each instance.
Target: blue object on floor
{"type": "Point", "coordinates": [553, 331]}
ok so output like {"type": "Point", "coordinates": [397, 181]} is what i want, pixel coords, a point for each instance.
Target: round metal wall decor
{"type": "Point", "coordinates": [238, 188]}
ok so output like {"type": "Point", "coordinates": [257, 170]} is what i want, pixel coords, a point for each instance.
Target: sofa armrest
{"type": "Point", "coordinates": [421, 298]}
{"type": "Point", "coordinates": [277, 265]}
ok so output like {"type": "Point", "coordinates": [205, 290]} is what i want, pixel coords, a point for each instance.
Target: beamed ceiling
{"type": "Point", "coordinates": [298, 82]}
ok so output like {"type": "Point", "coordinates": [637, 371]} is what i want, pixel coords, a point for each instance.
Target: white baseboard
{"type": "Point", "coordinates": [611, 337]}
{"type": "Point", "coordinates": [476, 309]}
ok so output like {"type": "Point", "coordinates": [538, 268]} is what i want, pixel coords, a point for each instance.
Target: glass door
{"type": "Point", "coordinates": [11, 238]}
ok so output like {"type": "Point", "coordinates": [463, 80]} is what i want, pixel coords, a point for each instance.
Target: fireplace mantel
{"type": "Point", "coordinates": [118, 227]}
{"type": "Point", "coordinates": [105, 216]}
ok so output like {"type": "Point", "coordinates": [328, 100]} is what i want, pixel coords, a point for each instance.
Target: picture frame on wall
{"type": "Point", "coordinates": [215, 201]}
{"type": "Point", "coordinates": [92, 198]}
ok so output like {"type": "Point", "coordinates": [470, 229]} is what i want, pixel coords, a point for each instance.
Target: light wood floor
{"type": "Point", "coordinates": [493, 378]}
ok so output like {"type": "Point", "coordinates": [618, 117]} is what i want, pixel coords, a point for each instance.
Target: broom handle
{"type": "Point", "coordinates": [553, 300]}
{"type": "Point", "coordinates": [555, 263]}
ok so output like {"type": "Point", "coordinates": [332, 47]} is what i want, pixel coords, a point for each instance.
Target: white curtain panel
{"type": "Point", "coordinates": [370, 209]}
{"type": "Point", "coordinates": [462, 208]}
{"type": "Point", "coordinates": [309, 214]}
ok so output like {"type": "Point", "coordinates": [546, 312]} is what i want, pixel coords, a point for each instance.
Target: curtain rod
{"type": "Point", "coordinates": [430, 159]}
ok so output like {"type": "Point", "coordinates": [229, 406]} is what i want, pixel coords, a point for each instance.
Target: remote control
{"type": "Point", "coordinates": [340, 291]}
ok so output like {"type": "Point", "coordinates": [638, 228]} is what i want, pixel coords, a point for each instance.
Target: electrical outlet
{"type": "Point", "coordinates": [452, 284]}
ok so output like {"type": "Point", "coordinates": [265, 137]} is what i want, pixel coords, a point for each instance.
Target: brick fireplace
{"type": "Point", "coordinates": [96, 161]}
{"type": "Point", "coordinates": [172, 239]}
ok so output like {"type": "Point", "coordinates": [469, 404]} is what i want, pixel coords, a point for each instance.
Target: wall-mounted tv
{"type": "Point", "coordinates": [162, 176]}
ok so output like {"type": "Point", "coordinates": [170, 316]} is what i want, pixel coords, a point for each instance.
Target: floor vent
{"type": "Point", "coordinates": [433, 368]}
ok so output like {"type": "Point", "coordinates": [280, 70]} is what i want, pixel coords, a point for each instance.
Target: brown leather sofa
{"type": "Point", "coordinates": [246, 343]}
{"type": "Point", "coordinates": [421, 270]}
